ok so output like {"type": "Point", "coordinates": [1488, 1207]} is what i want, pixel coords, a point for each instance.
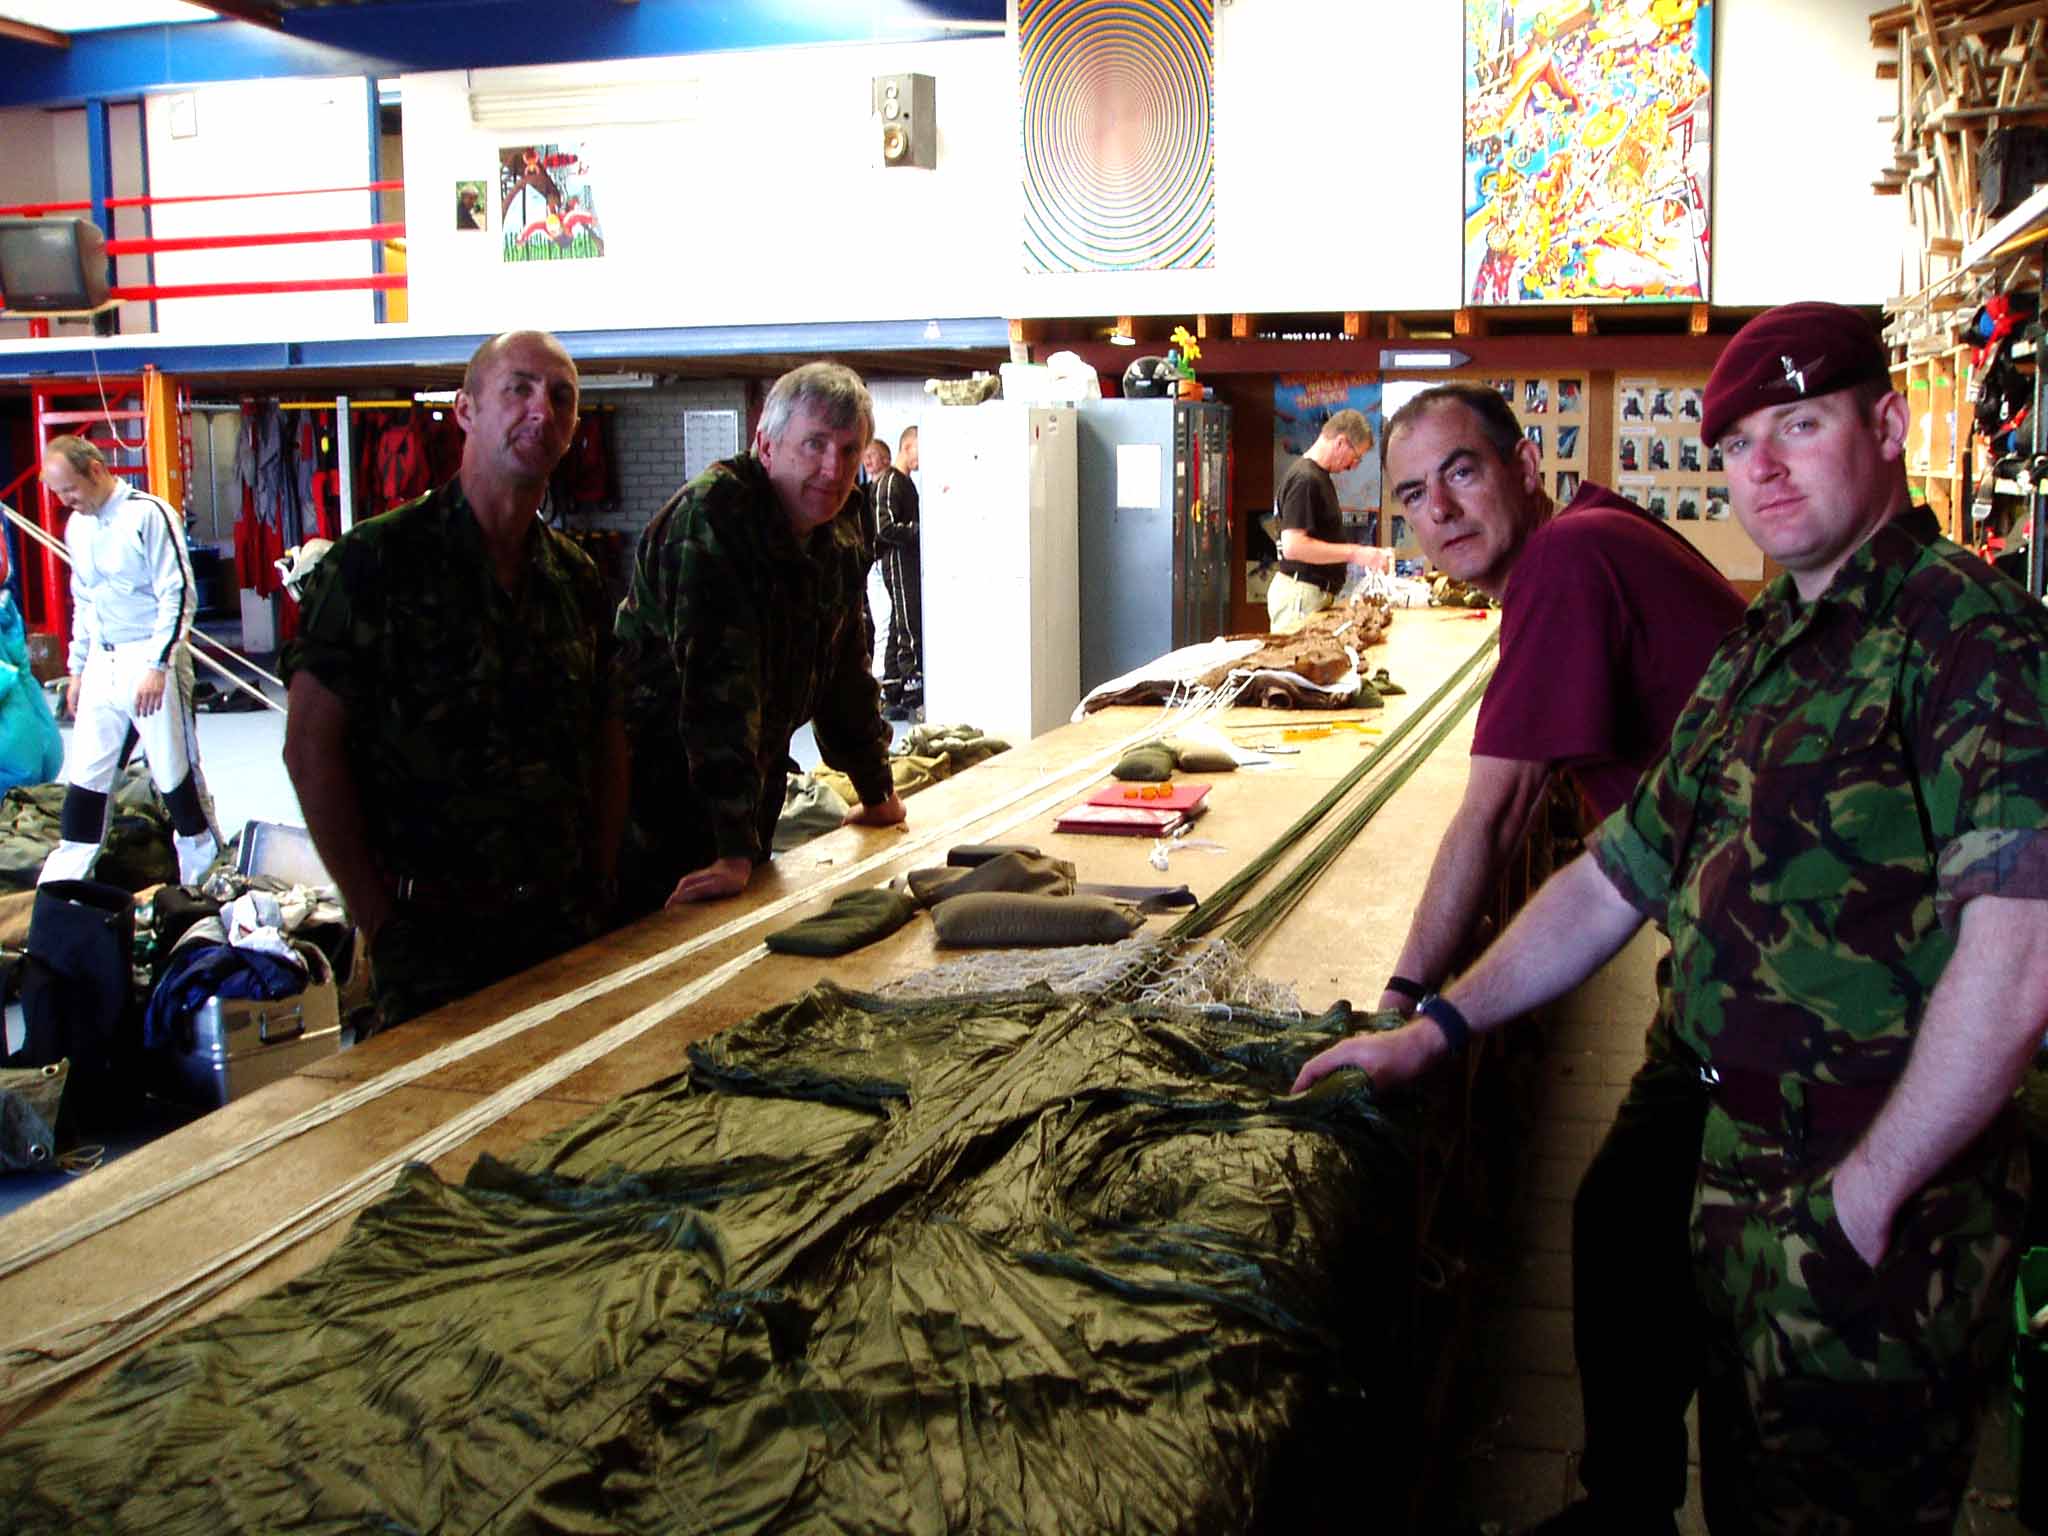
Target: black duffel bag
{"type": "Point", "coordinates": [78, 1000]}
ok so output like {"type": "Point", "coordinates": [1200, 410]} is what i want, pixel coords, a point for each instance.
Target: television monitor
{"type": "Point", "coordinates": [52, 264]}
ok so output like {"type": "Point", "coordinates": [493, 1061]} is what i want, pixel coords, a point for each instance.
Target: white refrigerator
{"type": "Point", "coordinates": [999, 549]}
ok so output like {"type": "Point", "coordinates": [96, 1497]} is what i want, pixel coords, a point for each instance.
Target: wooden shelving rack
{"type": "Point", "coordinates": [1964, 68]}
{"type": "Point", "coordinates": [1937, 391]}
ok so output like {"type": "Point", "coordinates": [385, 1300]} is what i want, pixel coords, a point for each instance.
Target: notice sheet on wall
{"type": "Point", "coordinates": [708, 436]}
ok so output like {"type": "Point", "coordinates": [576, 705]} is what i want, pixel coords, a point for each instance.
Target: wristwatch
{"type": "Point", "coordinates": [1444, 1014]}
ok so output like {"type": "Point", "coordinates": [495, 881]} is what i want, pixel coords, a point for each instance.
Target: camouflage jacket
{"type": "Point", "coordinates": [1849, 773]}
{"type": "Point", "coordinates": [731, 636]}
{"type": "Point", "coordinates": [473, 715]}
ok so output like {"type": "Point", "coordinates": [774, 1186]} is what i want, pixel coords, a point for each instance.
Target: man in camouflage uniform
{"type": "Point", "coordinates": [1846, 842]}
{"type": "Point", "coordinates": [454, 732]}
{"type": "Point", "coordinates": [744, 620]}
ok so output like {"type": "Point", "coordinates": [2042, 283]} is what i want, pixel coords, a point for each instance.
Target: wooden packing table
{"type": "Point", "coordinates": [1341, 942]}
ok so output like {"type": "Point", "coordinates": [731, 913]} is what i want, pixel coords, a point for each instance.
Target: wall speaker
{"type": "Point", "coordinates": [908, 120]}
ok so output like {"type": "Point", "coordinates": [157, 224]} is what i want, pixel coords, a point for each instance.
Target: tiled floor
{"type": "Point", "coordinates": [1516, 1427]}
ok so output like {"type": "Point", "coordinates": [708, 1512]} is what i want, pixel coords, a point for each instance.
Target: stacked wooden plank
{"type": "Point", "coordinates": [1965, 68]}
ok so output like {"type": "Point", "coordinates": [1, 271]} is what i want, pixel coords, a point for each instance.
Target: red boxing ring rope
{"type": "Point", "coordinates": [389, 281]}
{"type": "Point", "coordinates": [36, 210]}
{"type": "Point", "coordinates": [391, 231]}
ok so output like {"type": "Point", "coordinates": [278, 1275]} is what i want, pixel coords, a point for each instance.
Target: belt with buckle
{"type": "Point", "coordinates": [452, 895]}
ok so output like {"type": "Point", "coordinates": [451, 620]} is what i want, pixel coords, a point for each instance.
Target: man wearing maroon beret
{"type": "Point", "coordinates": [1848, 844]}
{"type": "Point", "coordinates": [1608, 619]}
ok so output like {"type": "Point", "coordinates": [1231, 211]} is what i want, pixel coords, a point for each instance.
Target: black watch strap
{"type": "Point", "coordinates": [1407, 987]}
{"type": "Point", "coordinates": [1444, 1014]}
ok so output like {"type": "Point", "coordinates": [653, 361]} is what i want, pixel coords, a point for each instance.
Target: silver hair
{"type": "Point", "coordinates": [833, 390]}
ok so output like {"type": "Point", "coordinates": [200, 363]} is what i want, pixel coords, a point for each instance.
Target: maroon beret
{"type": "Point", "coordinates": [1793, 352]}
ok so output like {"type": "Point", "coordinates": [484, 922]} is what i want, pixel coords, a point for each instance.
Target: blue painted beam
{"type": "Point", "coordinates": [823, 338]}
{"type": "Point", "coordinates": [454, 34]}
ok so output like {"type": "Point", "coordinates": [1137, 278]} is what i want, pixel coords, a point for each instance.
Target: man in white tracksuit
{"type": "Point", "coordinates": [132, 600]}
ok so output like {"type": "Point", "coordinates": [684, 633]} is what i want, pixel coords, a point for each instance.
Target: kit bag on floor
{"type": "Point", "coordinates": [31, 1100]}
{"type": "Point", "coordinates": [77, 998]}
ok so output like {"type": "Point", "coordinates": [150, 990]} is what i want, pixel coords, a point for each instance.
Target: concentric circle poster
{"type": "Point", "coordinates": [1118, 115]}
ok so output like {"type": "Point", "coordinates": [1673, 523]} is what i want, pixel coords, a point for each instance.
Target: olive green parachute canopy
{"type": "Point", "coordinates": [987, 1264]}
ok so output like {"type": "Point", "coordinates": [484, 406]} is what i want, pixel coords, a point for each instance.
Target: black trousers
{"type": "Point", "coordinates": [1638, 1328]}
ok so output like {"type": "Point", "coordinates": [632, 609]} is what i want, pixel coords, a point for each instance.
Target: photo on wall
{"type": "Point", "coordinates": [1587, 152]}
{"type": "Point", "coordinates": [547, 204]}
{"type": "Point", "coordinates": [1302, 402]}
{"type": "Point", "coordinates": [472, 212]}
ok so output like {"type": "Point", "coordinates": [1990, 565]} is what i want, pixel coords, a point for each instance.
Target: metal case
{"type": "Point", "coordinates": [238, 1044]}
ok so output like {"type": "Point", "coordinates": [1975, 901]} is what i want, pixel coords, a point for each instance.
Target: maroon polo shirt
{"type": "Point", "coordinates": [1607, 622]}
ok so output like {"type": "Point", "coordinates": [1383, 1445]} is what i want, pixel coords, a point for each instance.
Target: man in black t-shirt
{"type": "Point", "coordinates": [1312, 558]}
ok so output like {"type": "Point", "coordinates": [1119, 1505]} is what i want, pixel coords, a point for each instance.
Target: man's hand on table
{"type": "Point", "coordinates": [721, 877]}
{"type": "Point", "coordinates": [884, 813]}
{"type": "Point", "coordinates": [1389, 1057]}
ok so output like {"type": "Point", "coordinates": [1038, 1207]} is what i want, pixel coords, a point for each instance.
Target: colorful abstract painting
{"type": "Point", "coordinates": [1587, 151]}
{"type": "Point", "coordinates": [547, 204]}
{"type": "Point", "coordinates": [1119, 128]}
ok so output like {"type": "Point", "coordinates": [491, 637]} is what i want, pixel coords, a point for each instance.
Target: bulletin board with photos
{"type": "Point", "coordinates": [1663, 465]}
{"type": "Point", "coordinates": [1553, 410]}
{"type": "Point", "coordinates": [1661, 462]}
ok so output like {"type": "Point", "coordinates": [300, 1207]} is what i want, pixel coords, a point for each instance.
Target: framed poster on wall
{"type": "Point", "coordinates": [1587, 152]}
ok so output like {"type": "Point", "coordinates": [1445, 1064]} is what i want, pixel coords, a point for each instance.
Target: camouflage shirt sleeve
{"type": "Point", "coordinates": [340, 605]}
{"type": "Point", "coordinates": [1985, 764]}
{"type": "Point", "coordinates": [848, 724]}
{"type": "Point", "coordinates": [716, 646]}
{"type": "Point", "coordinates": [1628, 848]}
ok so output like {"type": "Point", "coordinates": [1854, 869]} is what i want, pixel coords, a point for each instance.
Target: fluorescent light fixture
{"type": "Point", "coordinates": [598, 104]}
{"type": "Point", "coordinates": [598, 383]}
{"type": "Point", "coordinates": [105, 15]}
{"type": "Point", "coordinates": [434, 396]}
{"type": "Point", "coordinates": [1421, 357]}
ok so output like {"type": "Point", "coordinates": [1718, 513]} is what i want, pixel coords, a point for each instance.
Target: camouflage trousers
{"type": "Point", "coordinates": [1839, 1398]}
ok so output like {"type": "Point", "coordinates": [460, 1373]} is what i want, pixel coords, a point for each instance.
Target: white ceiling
{"type": "Point", "coordinates": [98, 15]}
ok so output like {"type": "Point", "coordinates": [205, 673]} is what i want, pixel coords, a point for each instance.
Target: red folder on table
{"type": "Point", "coordinates": [1135, 818]}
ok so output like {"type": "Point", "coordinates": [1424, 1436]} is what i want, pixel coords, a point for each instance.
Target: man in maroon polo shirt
{"type": "Point", "coordinates": [1609, 617]}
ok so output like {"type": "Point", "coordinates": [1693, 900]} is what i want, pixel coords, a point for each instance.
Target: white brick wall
{"type": "Point", "coordinates": [647, 433]}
